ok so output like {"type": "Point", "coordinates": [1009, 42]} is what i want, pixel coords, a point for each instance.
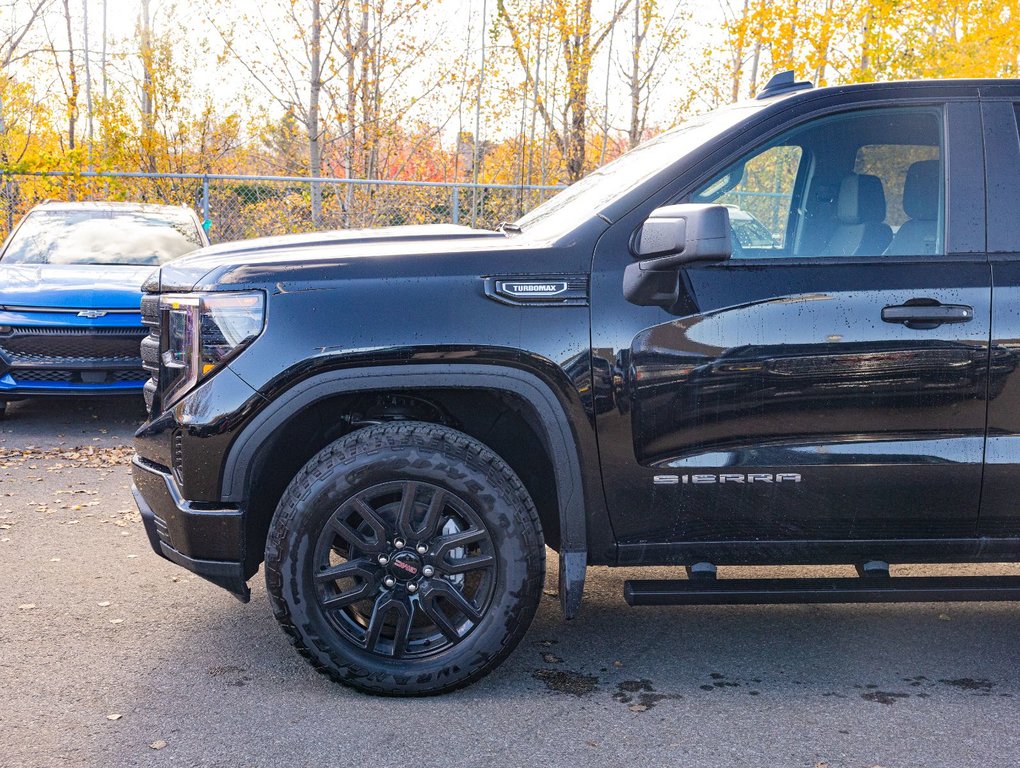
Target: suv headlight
{"type": "Point", "coordinates": [201, 332]}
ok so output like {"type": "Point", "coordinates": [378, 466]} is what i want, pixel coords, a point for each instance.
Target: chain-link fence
{"type": "Point", "coordinates": [239, 207]}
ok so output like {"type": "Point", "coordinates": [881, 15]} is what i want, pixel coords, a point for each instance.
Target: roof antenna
{"type": "Point", "coordinates": [783, 82]}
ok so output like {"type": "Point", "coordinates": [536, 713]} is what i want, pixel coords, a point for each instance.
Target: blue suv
{"type": "Point", "coordinates": [70, 288]}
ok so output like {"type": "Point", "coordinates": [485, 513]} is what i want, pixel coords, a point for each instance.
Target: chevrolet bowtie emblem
{"type": "Point", "coordinates": [92, 314]}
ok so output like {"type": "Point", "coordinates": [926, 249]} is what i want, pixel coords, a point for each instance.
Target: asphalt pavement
{"type": "Point", "coordinates": [111, 656]}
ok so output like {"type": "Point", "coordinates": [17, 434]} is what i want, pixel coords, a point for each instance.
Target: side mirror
{"type": "Point", "coordinates": [672, 236]}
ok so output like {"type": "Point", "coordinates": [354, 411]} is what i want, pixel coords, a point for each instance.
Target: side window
{"type": "Point", "coordinates": [890, 163]}
{"type": "Point", "coordinates": [760, 200]}
{"type": "Point", "coordinates": [864, 183]}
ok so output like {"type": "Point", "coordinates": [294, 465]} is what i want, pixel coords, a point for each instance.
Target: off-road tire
{"type": "Point", "coordinates": [421, 453]}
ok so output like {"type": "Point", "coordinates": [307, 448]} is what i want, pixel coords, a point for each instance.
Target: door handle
{"type": "Point", "coordinates": [927, 313]}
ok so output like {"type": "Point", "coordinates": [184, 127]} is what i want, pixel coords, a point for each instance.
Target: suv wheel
{"type": "Point", "coordinates": [405, 559]}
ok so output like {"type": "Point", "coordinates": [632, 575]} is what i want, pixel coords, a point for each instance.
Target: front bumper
{"type": "Point", "coordinates": [205, 540]}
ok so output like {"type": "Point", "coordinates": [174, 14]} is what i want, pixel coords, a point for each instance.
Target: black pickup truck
{"type": "Point", "coordinates": [786, 332]}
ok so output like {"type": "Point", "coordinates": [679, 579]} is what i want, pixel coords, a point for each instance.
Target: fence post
{"type": "Point", "coordinates": [456, 204]}
{"type": "Point", "coordinates": [205, 197]}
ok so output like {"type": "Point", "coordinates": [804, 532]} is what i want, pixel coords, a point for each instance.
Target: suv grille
{"type": "Point", "coordinates": [114, 344]}
{"type": "Point", "coordinates": [51, 375]}
{"type": "Point", "coordinates": [72, 355]}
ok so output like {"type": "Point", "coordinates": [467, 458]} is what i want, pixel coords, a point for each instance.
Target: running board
{"type": "Point", "coordinates": [895, 589]}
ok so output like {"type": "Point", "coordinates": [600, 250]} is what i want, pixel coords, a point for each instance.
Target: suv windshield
{"type": "Point", "coordinates": [90, 236]}
{"type": "Point", "coordinates": [593, 193]}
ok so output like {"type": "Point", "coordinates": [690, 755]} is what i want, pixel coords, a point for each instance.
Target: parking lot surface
{"type": "Point", "coordinates": [110, 656]}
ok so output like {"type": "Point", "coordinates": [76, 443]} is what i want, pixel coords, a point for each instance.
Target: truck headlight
{"type": "Point", "coordinates": [204, 331]}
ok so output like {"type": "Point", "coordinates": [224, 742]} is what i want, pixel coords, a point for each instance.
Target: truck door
{"type": "Point", "coordinates": [828, 381]}
{"type": "Point", "coordinates": [1000, 513]}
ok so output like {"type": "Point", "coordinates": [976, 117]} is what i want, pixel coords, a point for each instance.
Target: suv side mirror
{"type": "Point", "coordinates": [672, 236]}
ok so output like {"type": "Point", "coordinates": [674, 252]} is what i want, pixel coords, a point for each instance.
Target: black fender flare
{"type": "Point", "coordinates": [551, 417]}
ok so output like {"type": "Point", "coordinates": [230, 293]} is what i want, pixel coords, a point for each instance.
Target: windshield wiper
{"type": "Point", "coordinates": [509, 228]}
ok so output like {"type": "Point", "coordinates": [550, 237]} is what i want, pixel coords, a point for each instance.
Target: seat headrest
{"type": "Point", "coordinates": [861, 200]}
{"type": "Point", "coordinates": [921, 190]}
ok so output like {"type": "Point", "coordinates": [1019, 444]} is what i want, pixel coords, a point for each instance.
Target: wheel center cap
{"type": "Point", "coordinates": [405, 566]}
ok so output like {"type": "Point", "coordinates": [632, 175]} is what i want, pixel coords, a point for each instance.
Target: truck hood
{"type": "Point", "coordinates": [72, 286]}
{"type": "Point", "coordinates": [290, 261]}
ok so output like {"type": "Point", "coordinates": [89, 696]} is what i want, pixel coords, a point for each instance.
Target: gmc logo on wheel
{"type": "Point", "coordinates": [405, 566]}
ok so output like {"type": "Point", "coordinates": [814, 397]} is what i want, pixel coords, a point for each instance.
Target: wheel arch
{"type": "Point", "coordinates": [575, 491]}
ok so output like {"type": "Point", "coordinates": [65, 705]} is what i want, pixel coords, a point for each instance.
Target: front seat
{"type": "Point", "coordinates": [919, 234]}
{"type": "Point", "coordinates": [860, 213]}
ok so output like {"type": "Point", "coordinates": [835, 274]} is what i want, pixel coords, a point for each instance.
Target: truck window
{"type": "Point", "coordinates": [890, 163]}
{"type": "Point", "coordinates": [863, 183]}
{"type": "Point", "coordinates": [760, 202]}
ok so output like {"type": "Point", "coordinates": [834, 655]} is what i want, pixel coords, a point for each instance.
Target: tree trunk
{"type": "Point", "coordinates": [148, 106]}
{"type": "Point", "coordinates": [755, 60]}
{"type": "Point", "coordinates": [88, 80]}
{"type": "Point", "coordinates": [72, 95]}
{"type": "Point", "coordinates": [312, 121]}
{"type": "Point", "coordinates": [634, 134]}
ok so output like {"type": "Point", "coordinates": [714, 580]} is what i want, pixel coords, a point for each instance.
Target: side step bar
{"type": "Point", "coordinates": [895, 589]}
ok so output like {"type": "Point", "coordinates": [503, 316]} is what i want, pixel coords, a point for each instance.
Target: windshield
{"type": "Point", "coordinates": [605, 185]}
{"type": "Point", "coordinates": [102, 237]}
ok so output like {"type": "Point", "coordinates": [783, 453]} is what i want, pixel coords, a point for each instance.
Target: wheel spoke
{"type": "Point", "coordinates": [433, 515]}
{"type": "Point", "coordinates": [363, 591]}
{"type": "Point", "coordinates": [404, 525]}
{"type": "Point", "coordinates": [360, 569]}
{"type": "Point", "coordinates": [384, 606]}
{"type": "Point", "coordinates": [356, 539]}
{"type": "Point", "coordinates": [431, 609]}
{"type": "Point", "coordinates": [439, 588]}
{"type": "Point", "coordinates": [402, 630]}
{"type": "Point", "coordinates": [447, 544]}
{"type": "Point", "coordinates": [464, 564]}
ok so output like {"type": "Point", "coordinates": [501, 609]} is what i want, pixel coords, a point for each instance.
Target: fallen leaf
{"type": "Point", "coordinates": [551, 658]}
{"type": "Point", "coordinates": [26, 606]}
{"type": "Point", "coordinates": [944, 617]}
{"type": "Point", "coordinates": [54, 559]}
{"type": "Point", "coordinates": [637, 707]}
{"type": "Point", "coordinates": [116, 621]}
{"type": "Point", "coordinates": [132, 555]}
{"type": "Point", "coordinates": [114, 717]}
{"type": "Point", "coordinates": [617, 664]}
{"type": "Point", "coordinates": [103, 604]}
{"type": "Point", "coordinates": [158, 744]}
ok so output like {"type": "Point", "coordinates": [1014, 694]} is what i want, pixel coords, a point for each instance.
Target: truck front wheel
{"type": "Point", "coordinates": [405, 559]}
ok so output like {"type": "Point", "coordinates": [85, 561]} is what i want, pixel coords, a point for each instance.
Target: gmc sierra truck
{"type": "Point", "coordinates": [785, 332]}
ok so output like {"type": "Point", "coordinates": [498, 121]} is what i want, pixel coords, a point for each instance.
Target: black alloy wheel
{"type": "Point", "coordinates": [405, 569]}
{"type": "Point", "coordinates": [405, 559]}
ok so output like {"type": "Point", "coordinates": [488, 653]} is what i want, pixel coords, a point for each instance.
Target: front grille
{"type": "Point", "coordinates": [55, 375]}
{"type": "Point", "coordinates": [123, 376]}
{"type": "Point", "coordinates": [151, 350]}
{"type": "Point", "coordinates": [114, 344]}
{"type": "Point", "coordinates": [35, 358]}
{"type": "Point", "coordinates": [44, 376]}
